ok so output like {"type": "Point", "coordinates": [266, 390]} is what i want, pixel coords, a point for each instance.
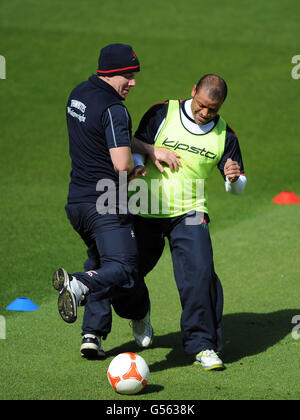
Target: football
{"type": "Point", "coordinates": [128, 373]}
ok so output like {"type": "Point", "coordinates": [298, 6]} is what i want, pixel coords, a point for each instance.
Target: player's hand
{"type": "Point", "coordinates": [138, 170]}
{"type": "Point", "coordinates": [163, 155]}
{"type": "Point", "coordinates": [232, 170]}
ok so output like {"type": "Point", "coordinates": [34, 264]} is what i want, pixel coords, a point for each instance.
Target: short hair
{"type": "Point", "coordinates": [214, 86]}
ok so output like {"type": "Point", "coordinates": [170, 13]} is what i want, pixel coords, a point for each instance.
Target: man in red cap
{"type": "Point", "coordinates": [99, 127]}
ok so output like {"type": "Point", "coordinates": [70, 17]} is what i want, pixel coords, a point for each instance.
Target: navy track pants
{"type": "Point", "coordinates": [199, 287]}
{"type": "Point", "coordinates": [111, 271]}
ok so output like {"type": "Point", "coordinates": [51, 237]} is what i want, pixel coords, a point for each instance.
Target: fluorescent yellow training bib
{"type": "Point", "coordinates": [170, 193]}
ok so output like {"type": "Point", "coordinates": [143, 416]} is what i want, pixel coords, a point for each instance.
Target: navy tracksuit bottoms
{"type": "Point", "coordinates": [199, 287]}
{"type": "Point", "coordinates": [111, 270]}
{"type": "Point", "coordinates": [112, 264]}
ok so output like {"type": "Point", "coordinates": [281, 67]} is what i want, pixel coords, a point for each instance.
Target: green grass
{"type": "Point", "coordinates": [49, 48]}
{"type": "Point", "coordinates": [40, 357]}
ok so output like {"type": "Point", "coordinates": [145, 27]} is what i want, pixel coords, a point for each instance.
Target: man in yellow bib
{"type": "Point", "coordinates": [176, 205]}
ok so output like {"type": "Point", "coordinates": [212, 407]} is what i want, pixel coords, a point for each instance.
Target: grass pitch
{"type": "Point", "coordinates": [51, 47]}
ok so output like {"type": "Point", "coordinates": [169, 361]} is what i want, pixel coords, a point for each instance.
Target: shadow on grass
{"type": "Point", "coordinates": [172, 341]}
{"type": "Point", "coordinates": [151, 389]}
{"type": "Point", "coordinates": [244, 334]}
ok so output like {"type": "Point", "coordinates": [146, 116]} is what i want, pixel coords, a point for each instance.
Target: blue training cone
{"type": "Point", "coordinates": [22, 304]}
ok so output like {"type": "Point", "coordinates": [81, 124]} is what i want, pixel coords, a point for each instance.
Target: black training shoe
{"type": "Point", "coordinates": [91, 347]}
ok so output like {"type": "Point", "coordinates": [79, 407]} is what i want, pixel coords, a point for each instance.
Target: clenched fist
{"type": "Point", "coordinates": [232, 170]}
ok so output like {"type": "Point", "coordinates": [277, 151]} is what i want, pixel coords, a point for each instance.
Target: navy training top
{"type": "Point", "coordinates": [97, 121]}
